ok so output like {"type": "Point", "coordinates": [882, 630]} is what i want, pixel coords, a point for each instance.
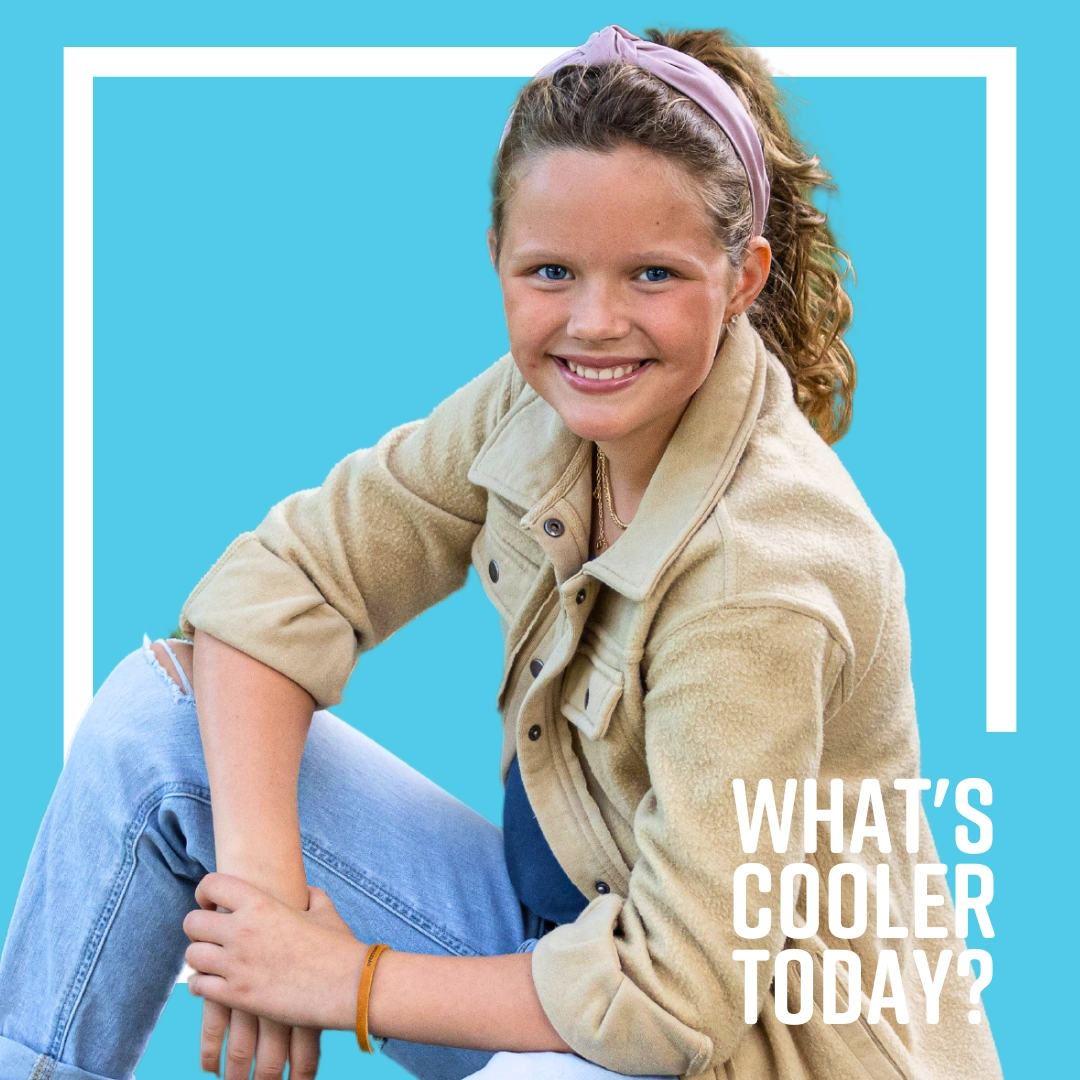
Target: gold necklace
{"type": "Point", "coordinates": [602, 495]}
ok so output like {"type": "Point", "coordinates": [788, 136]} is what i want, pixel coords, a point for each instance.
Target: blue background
{"type": "Point", "coordinates": [284, 269]}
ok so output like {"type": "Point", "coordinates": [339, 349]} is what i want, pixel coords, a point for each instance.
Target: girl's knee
{"type": "Point", "coordinates": [141, 718]}
{"type": "Point", "coordinates": [183, 653]}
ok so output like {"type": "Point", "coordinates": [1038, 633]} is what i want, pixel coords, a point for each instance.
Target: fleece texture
{"type": "Point", "coordinates": [749, 624]}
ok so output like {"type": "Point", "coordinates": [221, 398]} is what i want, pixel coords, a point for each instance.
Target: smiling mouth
{"type": "Point", "coordinates": [601, 374]}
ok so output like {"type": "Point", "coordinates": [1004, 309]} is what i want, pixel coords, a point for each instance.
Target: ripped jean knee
{"type": "Point", "coordinates": [140, 728]}
{"type": "Point", "coordinates": [177, 678]}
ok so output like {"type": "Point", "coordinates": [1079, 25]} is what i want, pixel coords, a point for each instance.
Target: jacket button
{"type": "Point", "coordinates": [580, 598]}
{"type": "Point", "coordinates": [493, 570]}
{"type": "Point", "coordinates": [554, 527]}
{"type": "Point", "coordinates": [603, 888]}
{"type": "Point", "coordinates": [534, 732]}
{"type": "Point", "coordinates": [586, 697]}
{"type": "Point", "coordinates": [536, 666]}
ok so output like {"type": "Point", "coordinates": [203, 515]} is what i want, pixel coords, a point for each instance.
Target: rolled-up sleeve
{"type": "Point", "coordinates": [646, 983]}
{"type": "Point", "coordinates": [333, 571]}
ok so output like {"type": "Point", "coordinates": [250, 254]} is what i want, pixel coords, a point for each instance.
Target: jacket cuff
{"type": "Point", "coordinates": [264, 607]}
{"type": "Point", "coordinates": [599, 1012]}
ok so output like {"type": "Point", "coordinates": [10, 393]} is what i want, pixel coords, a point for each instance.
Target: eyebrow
{"type": "Point", "coordinates": [659, 257]}
{"type": "Point", "coordinates": [644, 258]}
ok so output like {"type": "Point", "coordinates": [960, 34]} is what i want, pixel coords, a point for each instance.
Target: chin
{"type": "Point", "coordinates": [588, 418]}
{"type": "Point", "coordinates": [595, 428]}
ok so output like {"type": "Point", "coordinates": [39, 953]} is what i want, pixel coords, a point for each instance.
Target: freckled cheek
{"type": "Point", "coordinates": [690, 331]}
{"type": "Point", "coordinates": [533, 323]}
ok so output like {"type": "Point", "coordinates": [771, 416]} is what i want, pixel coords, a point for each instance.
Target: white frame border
{"type": "Point", "coordinates": [82, 65]}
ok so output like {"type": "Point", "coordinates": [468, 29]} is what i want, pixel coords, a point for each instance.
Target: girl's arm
{"type": "Point", "coordinates": [300, 963]}
{"type": "Point", "coordinates": [254, 722]}
{"type": "Point", "coordinates": [332, 571]}
{"type": "Point", "coordinates": [477, 1002]}
{"type": "Point", "coordinates": [303, 968]}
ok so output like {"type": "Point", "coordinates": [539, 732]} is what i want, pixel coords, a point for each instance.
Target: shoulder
{"type": "Point", "coordinates": [791, 530]}
{"type": "Point", "coordinates": [487, 397]}
{"type": "Point", "coordinates": [461, 423]}
{"type": "Point", "coordinates": [792, 514]}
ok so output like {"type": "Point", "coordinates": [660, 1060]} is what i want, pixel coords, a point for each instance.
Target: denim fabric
{"type": "Point", "coordinates": [95, 943]}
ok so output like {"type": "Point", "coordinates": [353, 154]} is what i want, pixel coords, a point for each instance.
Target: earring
{"type": "Point", "coordinates": [734, 318]}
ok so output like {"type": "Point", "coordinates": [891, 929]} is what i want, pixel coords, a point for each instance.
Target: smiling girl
{"type": "Point", "coordinates": [692, 593]}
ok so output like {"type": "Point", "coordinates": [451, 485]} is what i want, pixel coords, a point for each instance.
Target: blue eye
{"type": "Point", "coordinates": [655, 273]}
{"type": "Point", "coordinates": [553, 272]}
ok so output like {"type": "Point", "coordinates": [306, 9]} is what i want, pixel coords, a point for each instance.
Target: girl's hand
{"type": "Point", "coordinates": [262, 957]}
{"type": "Point", "coordinates": [252, 1038]}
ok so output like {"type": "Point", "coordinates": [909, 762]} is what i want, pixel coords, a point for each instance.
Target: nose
{"type": "Point", "coordinates": [598, 313]}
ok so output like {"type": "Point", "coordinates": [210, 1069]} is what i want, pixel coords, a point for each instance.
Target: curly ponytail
{"type": "Point", "coordinates": [803, 311]}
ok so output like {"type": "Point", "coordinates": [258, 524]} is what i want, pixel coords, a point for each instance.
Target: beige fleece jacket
{"type": "Point", "coordinates": [750, 623]}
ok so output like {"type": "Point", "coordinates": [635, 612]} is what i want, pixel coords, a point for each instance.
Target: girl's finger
{"type": "Point", "coordinates": [215, 1020]}
{"type": "Point", "coordinates": [243, 1038]}
{"type": "Point", "coordinates": [200, 925]}
{"type": "Point", "coordinates": [223, 890]}
{"type": "Point", "coordinates": [211, 988]}
{"type": "Point", "coordinates": [206, 958]}
{"type": "Point", "coordinates": [272, 1051]}
{"type": "Point", "coordinates": [304, 1053]}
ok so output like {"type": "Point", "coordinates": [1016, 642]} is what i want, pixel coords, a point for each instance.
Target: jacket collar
{"type": "Point", "coordinates": [532, 460]}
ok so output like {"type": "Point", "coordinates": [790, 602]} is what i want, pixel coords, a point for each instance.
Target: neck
{"type": "Point", "coordinates": [633, 459]}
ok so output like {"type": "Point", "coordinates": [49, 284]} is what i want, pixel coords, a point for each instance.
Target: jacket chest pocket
{"type": "Point", "coordinates": [507, 571]}
{"type": "Point", "coordinates": [591, 691]}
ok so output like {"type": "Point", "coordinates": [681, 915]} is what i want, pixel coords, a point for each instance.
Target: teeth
{"type": "Point", "coordinates": [603, 374]}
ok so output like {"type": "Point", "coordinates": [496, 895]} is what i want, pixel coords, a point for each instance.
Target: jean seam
{"type": "Point", "coordinates": [43, 1068]}
{"type": "Point", "coordinates": [388, 900]}
{"type": "Point", "coordinates": [101, 930]}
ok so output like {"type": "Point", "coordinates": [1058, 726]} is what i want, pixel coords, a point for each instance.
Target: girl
{"type": "Point", "coordinates": [693, 594]}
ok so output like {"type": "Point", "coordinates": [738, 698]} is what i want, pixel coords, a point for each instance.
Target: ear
{"type": "Point", "coordinates": [492, 248]}
{"type": "Point", "coordinates": [752, 275]}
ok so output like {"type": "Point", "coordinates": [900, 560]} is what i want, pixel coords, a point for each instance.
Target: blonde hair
{"type": "Point", "coordinates": [803, 310]}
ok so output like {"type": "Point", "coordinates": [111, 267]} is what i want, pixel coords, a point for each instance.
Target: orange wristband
{"type": "Point", "coordinates": [363, 993]}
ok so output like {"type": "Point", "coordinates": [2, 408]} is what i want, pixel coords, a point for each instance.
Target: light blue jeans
{"type": "Point", "coordinates": [95, 943]}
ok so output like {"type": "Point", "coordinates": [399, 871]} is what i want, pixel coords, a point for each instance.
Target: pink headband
{"type": "Point", "coordinates": [691, 77]}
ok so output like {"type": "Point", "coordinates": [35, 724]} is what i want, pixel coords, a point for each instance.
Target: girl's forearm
{"type": "Point", "coordinates": [302, 968]}
{"type": "Point", "coordinates": [476, 1002]}
{"type": "Point", "coordinates": [254, 722]}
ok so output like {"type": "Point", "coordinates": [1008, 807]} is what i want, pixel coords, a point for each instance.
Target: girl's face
{"type": "Point", "coordinates": [616, 291]}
